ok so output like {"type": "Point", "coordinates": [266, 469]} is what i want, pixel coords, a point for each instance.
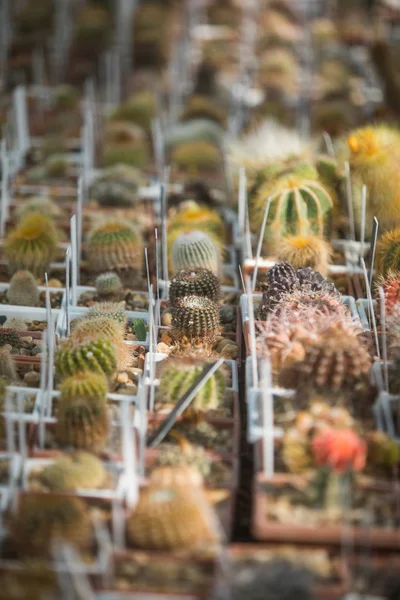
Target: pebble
{"type": "Point", "coordinates": [32, 378]}
{"type": "Point", "coordinates": [28, 339]}
{"type": "Point", "coordinates": [122, 377]}
{"type": "Point", "coordinates": [136, 371]}
{"type": "Point", "coordinates": [55, 283]}
{"type": "Point", "coordinates": [163, 348]}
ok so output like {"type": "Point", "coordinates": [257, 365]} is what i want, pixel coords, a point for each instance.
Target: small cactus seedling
{"type": "Point", "coordinates": [194, 282]}
{"type": "Point", "coordinates": [305, 251]}
{"type": "Point", "coordinates": [108, 284]}
{"type": "Point", "coordinates": [178, 376]}
{"type": "Point", "coordinates": [80, 470]}
{"type": "Point", "coordinates": [41, 520]}
{"type": "Point", "coordinates": [31, 245]}
{"type": "Point", "coordinates": [196, 318]}
{"type": "Point", "coordinates": [82, 420]}
{"type": "Point", "coordinates": [98, 356]}
{"type": "Point", "coordinates": [23, 290]}
{"type": "Point", "coordinates": [388, 252]}
{"type": "Point", "coordinates": [112, 310]}
{"type": "Point", "coordinates": [9, 337]}
{"type": "Point", "coordinates": [115, 246]}
{"type": "Point", "coordinates": [300, 205]}
{"type": "Point", "coordinates": [166, 518]}
{"type": "Point", "coordinates": [194, 249]}
{"type": "Point", "coordinates": [139, 329]}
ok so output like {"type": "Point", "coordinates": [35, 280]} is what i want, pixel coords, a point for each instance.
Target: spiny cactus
{"type": "Point", "coordinates": [84, 386]}
{"type": "Point", "coordinates": [391, 289]}
{"type": "Point", "coordinates": [305, 251]}
{"type": "Point", "coordinates": [113, 310]}
{"type": "Point", "coordinates": [374, 153]}
{"type": "Point", "coordinates": [201, 107]}
{"type": "Point", "coordinates": [31, 245]}
{"type": "Point", "coordinates": [179, 455]}
{"type": "Point", "coordinates": [300, 205]}
{"type": "Point", "coordinates": [42, 519]}
{"type": "Point", "coordinates": [104, 328]}
{"type": "Point", "coordinates": [139, 108]}
{"type": "Point", "coordinates": [194, 282]}
{"type": "Point", "coordinates": [195, 317]}
{"type": "Point", "coordinates": [340, 449]}
{"type": "Point", "coordinates": [98, 356]}
{"type": "Point", "coordinates": [383, 452]}
{"type": "Point", "coordinates": [40, 204]}
{"type": "Point", "coordinates": [178, 375]}
{"type": "Point", "coordinates": [79, 470]}
{"type": "Point", "coordinates": [388, 252]}
{"type": "Point", "coordinates": [197, 156]}
{"type": "Point", "coordinates": [108, 284]}
{"type": "Point", "coordinates": [166, 518]}
{"type": "Point", "coordinates": [319, 301]}
{"type": "Point", "coordinates": [335, 361]}
{"type": "Point", "coordinates": [8, 369]}
{"type": "Point", "coordinates": [194, 216]}
{"type": "Point", "coordinates": [115, 246]}
{"type": "Point", "coordinates": [175, 475]}
{"type": "Point", "coordinates": [296, 452]}
{"type": "Point", "coordinates": [82, 421]}
{"type": "Point", "coordinates": [23, 290]}
{"type": "Point", "coordinates": [194, 249]}
{"type": "Point", "coordinates": [9, 336]}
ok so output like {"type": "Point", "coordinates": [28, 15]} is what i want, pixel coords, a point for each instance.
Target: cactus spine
{"type": "Point", "coordinates": [305, 251]}
{"type": "Point", "coordinates": [80, 470]}
{"type": "Point", "coordinates": [108, 284]}
{"type": "Point", "coordinates": [115, 246]}
{"type": "Point", "coordinates": [194, 282]}
{"type": "Point", "coordinates": [98, 356]}
{"type": "Point", "coordinates": [196, 318]}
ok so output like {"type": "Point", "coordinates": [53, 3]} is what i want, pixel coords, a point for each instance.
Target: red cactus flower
{"type": "Point", "coordinates": [339, 449]}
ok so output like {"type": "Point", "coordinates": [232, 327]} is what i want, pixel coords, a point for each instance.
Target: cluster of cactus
{"type": "Point", "coordinates": [196, 318]}
{"type": "Point", "coordinates": [178, 376]}
{"type": "Point", "coordinates": [79, 470]}
{"type": "Point", "coordinates": [108, 285]}
{"type": "Point", "coordinates": [42, 519]}
{"type": "Point", "coordinates": [195, 249]}
{"type": "Point", "coordinates": [23, 289]}
{"type": "Point", "coordinates": [97, 355]}
{"type": "Point", "coordinates": [166, 518]}
{"type": "Point", "coordinates": [194, 282]}
{"type": "Point", "coordinates": [82, 420]}
{"type": "Point", "coordinates": [300, 205]}
{"type": "Point", "coordinates": [115, 246]}
{"type": "Point", "coordinates": [31, 245]}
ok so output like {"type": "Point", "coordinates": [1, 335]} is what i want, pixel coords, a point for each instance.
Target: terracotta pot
{"type": "Point", "coordinates": [268, 530]}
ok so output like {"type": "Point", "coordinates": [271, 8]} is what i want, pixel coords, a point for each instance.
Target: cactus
{"type": "Point", "coordinates": [195, 249]}
{"type": "Point", "coordinates": [374, 153]}
{"type": "Point", "coordinates": [41, 204]}
{"type": "Point", "coordinates": [339, 449]}
{"type": "Point", "coordinates": [185, 454]}
{"type": "Point", "coordinates": [104, 328]}
{"type": "Point", "coordinates": [10, 337]}
{"type": "Point", "coordinates": [315, 282]}
{"type": "Point", "coordinates": [196, 318]}
{"type": "Point", "coordinates": [82, 420]}
{"type": "Point", "coordinates": [16, 323]}
{"type": "Point", "coordinates": [316, 302]}
{"type": "Point", "coordinates": [31, 245]}
{"type": "Point", "coordinates": [192, 215]}
{"type": "Point", "coordinates": [388, 252]}
{"type": "Point", "coordinates": [196, 156]}
{"type": "Point", "coordinates": [383, 452]}
{"type": "Point", "coordinates": [140, 109]}
{"type": "Point", "coordinates": [108, 284]}
{"type": "Point", "coordinates": [305, 251]}
{"type": "Point", "coordinates": [34, 580]}
{"type": "Point", "coordinates": [126, 154]}
{"type": "Point", "coordinates": [7, 366]}
{"type": "Point", "coordinates": [175, 475]}
{"type": "Point", "coordinates": [66, 97]}
{"type": "Point", "coordinates": [74, 471]}
{"type": "Point", "coordinates": [335, 361]}
{"type": "Point", "coordinates": [201, 107]}
{"type": "Point", "coordinates": [391, 289]}
{"type": "Point", "coordinates": [117, 186]}
{"type": "Point", "coordinates": [84, 386]}
{"type": "Point", "coordinates": [279, 71]}
{"type": "Point", "coordinates": [166, 518]}
{"type": "Point", "coordinates": [194, 282]}
{"type": "Point", "coordinates": [98, 356]}
{"type": "Point", "coordinates": [115, 246]}
{"type": "Point", "coordinates": [300, 205]}
{"type": "Point", "coordinates": [56, 166]}
{"type": "Point", "coordinates": [42, 519]}
{"type": "Point", "coordinates": [112, 310]}
{"type": "Point", "coordinates": [23, 290]}
{"type": "Point", "coordinates": [178, 375]}
{"type": "Point", "coordinates": [281, 279]}
{"type": "Point", "coordinates": [139, 329]}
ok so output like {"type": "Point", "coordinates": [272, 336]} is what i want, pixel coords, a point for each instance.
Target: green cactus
{"type": "Point", "coordinates": [177, 376]}
{"type": "Point", "coordinates": [115, 246]}
{"type": "Point", "coordinates": [91, 329]}
{"type": "Point", "coordinates": [41, 519]}
{"type": "Point", "coordinates": [31, 245]}
{"type": "Point", "coordinates": [139, 329]}
{"type": "Point", "coordinates": [197, 156]}
{"type": "Point", "coordinates": [79, 470]}
{"type": "Point", "coordinates": [23, 290]}
{"type": "Point", "coordinates": [112, 310]}
{"type": "Point", "coordinates": [41, 204]}
{"type": "Point", "coordinates": [300, 204]}
{"type": "Point", "coordinates": [196, 318]}
{"type": "Point", "coordinates": [194, 249]}
{"type": "Point", "coordinates": [194, 282]}
{"type": "Point", "coordinates": [126, 154]}
{"type": "Point", "coordinates": [388, 252]}
{"type": "Point", "coordinates": [9, 336]}
{"type": "Point", "coordinates": [140, 109]}
{"type": "Point", "coordinates": [82, 420]}
{"type": "Point", "coordinates": [98, 356]}
{"type": "Point", "coordinates": [201, 107]}
{"type": "Point", "coordinates": [108, 284]}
